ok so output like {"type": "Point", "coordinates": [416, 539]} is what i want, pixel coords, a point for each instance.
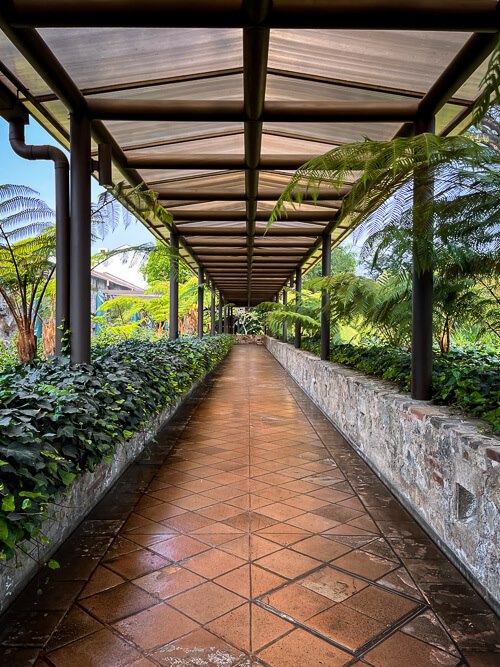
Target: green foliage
{"type": "Point", "coordinates": [462, 379]}
{"type": "Point", "coordinates": [57, 421]}
{"type": "Point", "coordinates": [251, 322]}
{"type": "Point", "coordinates": [8, 356]}
{"type": "Point", "coordinates": [27, 243]}
{"type": "Point", "coordinates": [379, 309]}
{"type": "Point", "coordinates": [343, 260]}
{"type": "Point", "coordinates": [382, 171]}
{"type": "Point", "coordinates": [157, 267]}
{"type": "Point", "coordinates": [454, 232]}
{"type": "Point", "coordinates": [303, 307]}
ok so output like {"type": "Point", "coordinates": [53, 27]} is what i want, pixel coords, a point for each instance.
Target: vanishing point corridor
{"type": "Point", "coordinates": [260, 538]}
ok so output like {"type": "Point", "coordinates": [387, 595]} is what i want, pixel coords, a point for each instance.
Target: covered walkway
{"type": "Point", "coordinates": [261, 539]}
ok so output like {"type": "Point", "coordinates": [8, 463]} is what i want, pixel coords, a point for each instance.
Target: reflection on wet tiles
{"type": "Point", "coordinates": [261, 540]}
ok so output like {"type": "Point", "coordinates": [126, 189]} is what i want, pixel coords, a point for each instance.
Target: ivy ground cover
{"type": "Point", "coordinates": [58, 421]}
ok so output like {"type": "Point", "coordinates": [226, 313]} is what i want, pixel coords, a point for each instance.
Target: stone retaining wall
{"type": "Point", "coordinates": [441, 467]}
{"type": "Point", "coordinates": [76, 502]}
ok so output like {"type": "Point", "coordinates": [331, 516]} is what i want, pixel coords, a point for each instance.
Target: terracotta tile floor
{"type": "Point", "coordinates": [261, 538]}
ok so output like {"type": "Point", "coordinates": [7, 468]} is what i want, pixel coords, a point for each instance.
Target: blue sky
{"type": "Point", "coordinates": [39, 175]}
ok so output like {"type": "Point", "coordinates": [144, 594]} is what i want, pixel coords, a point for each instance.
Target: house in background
{"type": "Point", "coordinates": [104, 286]}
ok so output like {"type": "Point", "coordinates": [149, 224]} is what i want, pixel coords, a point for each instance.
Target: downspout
{"type": "Point", "coordinates": [61, 165]}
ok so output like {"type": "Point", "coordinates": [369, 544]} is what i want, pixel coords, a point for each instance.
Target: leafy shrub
{"type": "Point", "coordinates": [8, 356]}
{"type": "Point", "coordinates": [466, 380]}
{"type": "Point", "coordinates": [58, 421]}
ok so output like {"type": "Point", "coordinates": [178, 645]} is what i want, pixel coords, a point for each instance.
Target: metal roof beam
{"type": "Point", "coordinates": [291, 252]}
{"type": "Point", "coordinates": [255, 55]}
{"type": "Point", "coordinates": [238, 216]}
{"type": "Point", "coordinates": [272, 232]}
{"type": "Point", "coordinates": [233, 111]}
{"type": "Point", "coordinates": [263, 195]}
{"type": "Point", "coordinates": [467, 15]}
{"type": "Point", "coordinates": [464, 64]}
{"type": "Point", "coordinates": [31, 45]}
{"type": "Point", "coordinates": [261, 242]}
{"type": "Point", "coordinates": [214, 162]}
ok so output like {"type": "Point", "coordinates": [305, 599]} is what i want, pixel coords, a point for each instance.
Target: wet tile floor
{"type": "Point", "coordinates": [261, 538]}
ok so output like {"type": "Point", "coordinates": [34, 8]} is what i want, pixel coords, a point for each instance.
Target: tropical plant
{"type": "Point", "coordinates": [27, 245]}
{"type": "Point", "coordinates": [379, 309]}
{"type": "Point", "coordinates": [344, 259]}
{"type": "Point", "coordinates": [27, 253]}
{"type": "Point", "coordinates": [158, 262]}
{"type": "Point", "coordinates": [251, 322]}
{"type": "Point", "coordinates": [58, 421]}
{"type": "Point", "coordinates": [465, 174]}
{"type": "Point", "coordinates": [126, 315]}
{"type": "Point", "coordinates": [303, 308]}
{"type": "Point", "coordinates": [454, 233]}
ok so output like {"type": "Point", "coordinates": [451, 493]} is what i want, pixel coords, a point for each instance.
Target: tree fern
{"type": "Point", "coordinates": [382, 169]}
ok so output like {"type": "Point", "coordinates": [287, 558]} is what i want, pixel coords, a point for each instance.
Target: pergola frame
{"type": "Point", "coordinates": [244, 262]}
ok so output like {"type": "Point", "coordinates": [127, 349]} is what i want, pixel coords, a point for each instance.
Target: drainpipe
{"type": "Point", "coordinates": [61, 165]}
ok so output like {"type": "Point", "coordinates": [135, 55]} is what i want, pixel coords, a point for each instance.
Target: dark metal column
{"type": "Point", "coordinates": [220, 323]}
{"type": "Point", "coordinates": [422, 281]}
{"type": "Point", "coordinates": [255, 56]}
{"type": "Point", "coordinates": [201, 294]}
{"type": "Point", "coordinates": [173, 324]}
{"type": "Point", "coordinates": [298, 289]}
{"type": "Point", "coordinates": [80, 239]}
{"type": "Point", "coordinates": [326, 268]}
{"type": "Point", "coordinates": [212, 311]}
{"type": "Point", "coordinates": [285, 326]}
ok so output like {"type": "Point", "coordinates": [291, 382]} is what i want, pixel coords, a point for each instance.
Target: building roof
{"type": "Point", "coordinates": [109, 277]}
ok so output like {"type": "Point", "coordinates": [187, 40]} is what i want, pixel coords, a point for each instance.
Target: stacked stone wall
{"type": "Point", "coordinates": [443, 468]}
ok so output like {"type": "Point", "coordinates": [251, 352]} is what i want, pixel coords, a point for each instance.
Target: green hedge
{"type": "Point", "coordinates": [466, 379]}
{"type": "Point", "coordinates": [58, 421]}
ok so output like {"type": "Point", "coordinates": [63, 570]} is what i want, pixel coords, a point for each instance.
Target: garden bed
{"type": "Point", "coordinates": [467, 380]}
{"type": "Point", "coordinates": [59, 423]}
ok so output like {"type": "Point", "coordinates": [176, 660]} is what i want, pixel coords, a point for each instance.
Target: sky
{"type": "Point", "coordinates": [39, 175]}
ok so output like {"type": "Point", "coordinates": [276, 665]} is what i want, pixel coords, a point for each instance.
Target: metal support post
{"type": "Point", "coordinates": [326, 268]}
{"type": "Point", "coordinates": [298, 289]}
{"type": "Point", "coordinates": [220, 323]}
{"type": "Point", "coordinates": [212, 311]}
{"type": "Point", "coordinates": [173, 324]}
{"type": "Point", "coordinates": [285, 326]}
{"type": "Point", "coordinates": [201, 294]}
{"type": "Point", "coordinates": [80, 239]}
{"type": "Point", "coordinates": [422, 281]}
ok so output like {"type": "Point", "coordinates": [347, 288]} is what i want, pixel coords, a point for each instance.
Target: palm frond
{"type": "Point", "coordinates": [282, 316]}
{"type": "Point", "coordinates": [382, 169]}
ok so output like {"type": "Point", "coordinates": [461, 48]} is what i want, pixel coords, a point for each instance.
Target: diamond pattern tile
{"type": "Point", "coordinates": [264, 527]}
